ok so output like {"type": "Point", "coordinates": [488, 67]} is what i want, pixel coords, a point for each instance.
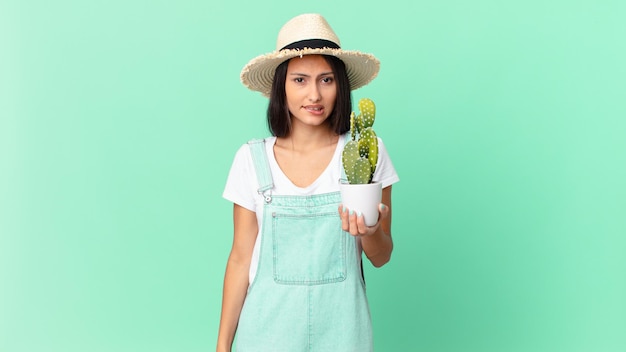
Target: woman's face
{"type": "Point", "coordinates": [311, 90]}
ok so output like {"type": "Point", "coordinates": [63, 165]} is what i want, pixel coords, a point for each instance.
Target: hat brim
{"type": "Point", "coordinates": [258, 74]}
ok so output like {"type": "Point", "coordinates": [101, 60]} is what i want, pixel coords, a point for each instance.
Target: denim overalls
{"type": "Point", "coordinates": [308, 293]}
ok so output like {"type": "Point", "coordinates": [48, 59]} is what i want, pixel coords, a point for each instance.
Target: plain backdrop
{"type": "Point", "coordinates": [504, 119]}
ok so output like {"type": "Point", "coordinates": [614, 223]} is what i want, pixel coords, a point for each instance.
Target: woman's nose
{"type": "Point", "coordinates": [314, 93]}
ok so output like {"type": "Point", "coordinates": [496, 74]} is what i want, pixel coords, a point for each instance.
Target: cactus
{"type": "Point", "coordinates": [360, 155]}
{"type": "Point", "coordinates": [368, 111]}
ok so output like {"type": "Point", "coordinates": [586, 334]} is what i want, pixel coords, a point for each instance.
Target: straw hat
{"type": "Point", "coordinates": [307, 34]}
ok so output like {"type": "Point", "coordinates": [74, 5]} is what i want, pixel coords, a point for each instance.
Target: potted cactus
{"type": "Point", "coordinates": [359, 158]}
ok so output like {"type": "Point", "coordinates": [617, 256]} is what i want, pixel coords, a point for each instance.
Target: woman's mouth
{"type": "Point", "coordinates": [315, 109]}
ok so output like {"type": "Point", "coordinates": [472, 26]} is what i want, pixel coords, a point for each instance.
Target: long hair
{"type": "Point", "coordinates": [278, 117]}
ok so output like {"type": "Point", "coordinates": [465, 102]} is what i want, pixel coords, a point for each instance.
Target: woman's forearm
{"type": "Point", "coordinates": [235, 287]}
{"type": "Point", "coordinates": [377, 247]}
{"type": "Point", "coordinates": [236, 278]}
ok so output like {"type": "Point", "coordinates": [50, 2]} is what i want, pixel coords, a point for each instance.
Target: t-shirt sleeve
{"type": "Point", "coordinates": [385, 172]}
{"type": "Point", "coordinates": [241, 185]}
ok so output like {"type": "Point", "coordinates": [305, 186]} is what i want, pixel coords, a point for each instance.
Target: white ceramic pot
{"type": "Point", "coordinates": [362, 199]}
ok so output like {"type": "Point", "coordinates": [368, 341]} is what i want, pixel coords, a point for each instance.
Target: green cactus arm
{"type": "Point", "coordinates": [368, 112]}
{"type": "Point", "coordinates": [364, 147]}
{"type": "Point", "coordinates": [352, 126]}
{"type": "Point", "coordinates": [373, 155]}
{"type": "Point", "coordinates": [369, 138]}
{"type": "Point", "coordinates": [363, 171]}
{"type": "Point", "coordinates": [358, 123]}
{"type": "Point", "coordinates": [360, 155]}
{"type": "Point", "coordinates": [349, 157]}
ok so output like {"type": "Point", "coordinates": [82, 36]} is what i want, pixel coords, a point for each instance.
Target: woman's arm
{"type": "Point", "coordinates": [375, 240]}
{"type": "Point", "coordinates": [236, 277]}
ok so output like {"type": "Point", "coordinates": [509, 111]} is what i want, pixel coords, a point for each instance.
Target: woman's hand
{"type": "Point", "coordinates": [375, 240]}
{"type": "Point", "coordinates": [355, 224]}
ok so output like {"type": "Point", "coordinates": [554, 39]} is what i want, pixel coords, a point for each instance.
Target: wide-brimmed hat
{"type": "Point", "coordinates": [308, 34]}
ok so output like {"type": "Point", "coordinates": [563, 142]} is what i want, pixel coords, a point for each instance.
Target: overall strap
{"type": "Point", "coordinates": [262, 167]}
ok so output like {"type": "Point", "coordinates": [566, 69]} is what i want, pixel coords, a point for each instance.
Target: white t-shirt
{"type": "Point", "coordinates": [242, 185]}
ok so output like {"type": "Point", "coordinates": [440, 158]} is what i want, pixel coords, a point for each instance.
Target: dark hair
{"type": "Point", "coordinates": [278, 117]}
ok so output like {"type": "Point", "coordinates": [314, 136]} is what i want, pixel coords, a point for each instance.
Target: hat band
{"type": "Point", "coordinates": [311, 44]}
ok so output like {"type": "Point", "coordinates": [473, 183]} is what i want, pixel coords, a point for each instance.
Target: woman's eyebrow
{"type": "Point", "coordinates": [306, 75]}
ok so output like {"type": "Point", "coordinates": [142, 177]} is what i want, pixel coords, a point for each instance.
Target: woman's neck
{"type": "Point", "coordinates": [305, 139]}
{"type": "Point", "coordinates": [303, 155]}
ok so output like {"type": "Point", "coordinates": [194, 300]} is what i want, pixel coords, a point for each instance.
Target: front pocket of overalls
{"type": "Point", "coordinates": [309, 249]}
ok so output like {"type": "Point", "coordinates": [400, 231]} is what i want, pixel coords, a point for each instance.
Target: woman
{"type": "Point", "coordinates": [294, 279]}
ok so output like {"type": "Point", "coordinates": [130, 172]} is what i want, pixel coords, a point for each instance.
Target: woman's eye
{"type": "Point", "coordinates": [327, 79]}
{"type": "Point", "coordinates": [298, 79]}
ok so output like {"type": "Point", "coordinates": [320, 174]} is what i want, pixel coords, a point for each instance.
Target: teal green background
{"type": "Point", "coordinates": [505, 120]}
